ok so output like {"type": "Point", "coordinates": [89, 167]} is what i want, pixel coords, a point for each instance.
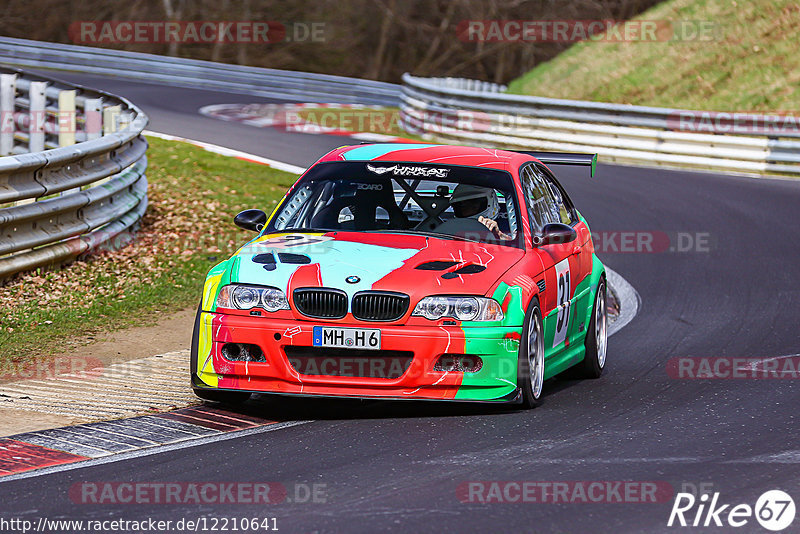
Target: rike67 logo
{"type": "Point", "coordinates": [774, 510]}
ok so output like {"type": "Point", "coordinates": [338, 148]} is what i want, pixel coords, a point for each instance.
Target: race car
{"type": "Point", "coordinates": [408, 271]}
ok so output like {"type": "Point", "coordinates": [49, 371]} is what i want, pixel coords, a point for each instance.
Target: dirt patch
{"type": "Point", "coordinates": [171, 333]}
{"type": "Point", "coordinates": [19, 421]}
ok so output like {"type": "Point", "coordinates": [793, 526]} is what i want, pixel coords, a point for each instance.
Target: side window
{"type": "Point", "coordinates": [539, 197]}
{"type": "Point", "coordinates": [564, 213]}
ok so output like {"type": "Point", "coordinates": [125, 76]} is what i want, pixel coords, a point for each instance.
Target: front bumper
{"type": "Point", "coordinates": [496, 346]}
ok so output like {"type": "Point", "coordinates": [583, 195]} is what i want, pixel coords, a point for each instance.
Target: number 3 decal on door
{"type": "Point", "coordinates": [562, 317]}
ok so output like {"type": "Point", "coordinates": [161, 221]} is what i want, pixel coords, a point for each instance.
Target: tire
{"type": "Point", "coordinates": [195, 342]}
{"type": "Point", "coordinates": [224, 397]}
{"type": "Point", "coordinates": [530, 368]}
{"type": "Point", "coordinates": [596, 341]}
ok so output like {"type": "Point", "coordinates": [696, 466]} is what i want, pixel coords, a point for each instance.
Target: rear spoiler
{"type": "Point", "coordinates": [564, 158]}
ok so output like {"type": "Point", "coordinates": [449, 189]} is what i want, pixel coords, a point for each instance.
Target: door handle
{"type": "Point", "coordinates": [576, 250]}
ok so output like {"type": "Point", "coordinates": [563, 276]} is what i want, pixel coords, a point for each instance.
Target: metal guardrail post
{"type": "Point", "coordinates": [36, 116]}
{"type": "Point", "coordinates": [111, 116]}
{"type": "Point", "coordinates": [67, 121]}
{"type": "Point", "coordinates": [93, 118]}
{"type": "Point", "coordinates": [67, 124]}
{"type": "Point", "coordinates": [8, 90]}
{"type": "Point", "coordinates": [37, 102]}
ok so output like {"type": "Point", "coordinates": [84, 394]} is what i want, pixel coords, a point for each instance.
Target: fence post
{"type": "Point", "coordinates": [36, 122]}
{"type": "Point", "coordinates": [111, 119]}
{"type": "Point", "coordinates": [8, 90]}
{"type": "Point", "coordinates": [111, 123]}
{"type": "Point", "coordinates": [37, 118]}
{"type": "Point", "coordinates": [66, 118]}
{"type": "Point", "coordinates": [93, 118]}
{"type": "Point", "coordinates": [67, 124]}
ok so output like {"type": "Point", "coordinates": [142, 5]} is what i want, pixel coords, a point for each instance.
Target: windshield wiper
{"type": "Point", "coordinates": [300, 230]}
{"type": "Point", "coordinates": [427, 234]}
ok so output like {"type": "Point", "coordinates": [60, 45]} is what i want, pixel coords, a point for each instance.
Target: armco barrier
{"type": "Point", "coordinates": [72, 170]}
{"type": "Point", "coordinates": [191, 73]}
{"type": "Point", "coordinates": [471, 112]}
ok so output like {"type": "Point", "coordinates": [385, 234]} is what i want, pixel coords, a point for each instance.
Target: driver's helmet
{"type": "Point", "coordinates": [474, 201]}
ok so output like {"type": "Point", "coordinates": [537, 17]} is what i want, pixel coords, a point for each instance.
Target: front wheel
{"type": "Point", "coordinates": [596, 337]}
{"type": "Point", "coordinates": [530, 371]}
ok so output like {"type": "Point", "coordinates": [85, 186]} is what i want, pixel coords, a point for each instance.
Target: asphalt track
{"type": "Point", "coordinates": [397, 466]}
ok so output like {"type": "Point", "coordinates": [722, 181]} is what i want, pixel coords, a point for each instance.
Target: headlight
{"type": "Point", "coordinates": [243, 297]}
{"type": "Point", "coordinates": [461, 308]}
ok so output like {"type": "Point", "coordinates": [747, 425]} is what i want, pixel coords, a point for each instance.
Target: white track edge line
{"type": "Point", "coordinates": [217, 149]}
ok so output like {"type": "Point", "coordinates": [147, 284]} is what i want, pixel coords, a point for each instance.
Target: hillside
{"type": "Point", "coordinates": [751, 63]}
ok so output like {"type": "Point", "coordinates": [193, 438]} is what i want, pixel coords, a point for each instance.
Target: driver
{"type": "Point", "coordinates": [475, 202]}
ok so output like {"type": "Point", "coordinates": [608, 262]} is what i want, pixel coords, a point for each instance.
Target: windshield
{"type": "Point", "coordinates": [454, 202]}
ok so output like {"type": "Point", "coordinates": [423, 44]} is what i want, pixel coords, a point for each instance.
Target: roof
{"type": "Point", "coordinates": [428, 153]}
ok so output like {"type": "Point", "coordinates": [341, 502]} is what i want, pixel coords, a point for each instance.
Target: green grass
{"type": "Point", "coordinates": [193, 196]}
{"type": "Point", "coordinates": [751, 63]}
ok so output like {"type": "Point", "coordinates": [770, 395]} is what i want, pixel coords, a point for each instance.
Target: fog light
{"type": "Point", "coordinates": [446, 363]}
{"type": "Point", "coordinates": [243, 352]}
{"type": "Point", "coordinates": [470, 364]}
{"type": "Point", "coordinates": [460, 363]}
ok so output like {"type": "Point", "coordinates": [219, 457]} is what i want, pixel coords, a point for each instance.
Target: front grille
{"type": "Point", "coordinates": [321, 303]}
{"type": "Point", "coordinates": [356, 363]}
{"type": "Point", "coordinates": [379, 305]}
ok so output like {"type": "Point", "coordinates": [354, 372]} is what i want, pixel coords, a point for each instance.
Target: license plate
{"type": "Point", "coordinates": [347, 338]}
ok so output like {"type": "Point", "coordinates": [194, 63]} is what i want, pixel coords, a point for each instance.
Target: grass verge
{"type": "Point", "coordinates": [750, 62]}
{"type": "Point", "coordinates": [193, 196]}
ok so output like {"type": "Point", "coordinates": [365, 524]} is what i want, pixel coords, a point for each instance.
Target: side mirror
{"type": "Point", "coordinates": [251, 220]}
{"type": "Point", "coordinates": [554, 234]}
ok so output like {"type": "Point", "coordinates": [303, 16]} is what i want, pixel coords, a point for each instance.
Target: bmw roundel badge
{"type": "Point", "coordinates": [352, 279]}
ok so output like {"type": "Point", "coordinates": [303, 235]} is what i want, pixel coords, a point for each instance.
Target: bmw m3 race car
{"type": "Point", "coordinates": [407, 271]}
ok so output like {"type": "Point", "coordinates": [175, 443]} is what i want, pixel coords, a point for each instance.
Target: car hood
{"type": "Point", "coordinates": [411, 264]}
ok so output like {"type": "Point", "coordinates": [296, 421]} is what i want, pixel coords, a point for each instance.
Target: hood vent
{"type": "Point", "coordinates": [472, 268]}
{"type": "Point", "coordinates": [436, 265]}
{"type": "Point", "coordinates": [268, 259]}
{"type": "Point", "coordinates": [294, 259]}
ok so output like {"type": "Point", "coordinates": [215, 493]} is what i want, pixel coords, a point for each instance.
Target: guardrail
{"type": "Point", "coordinates": [471, 112]}
{"type": "Point", "coordinates": [72, 170]}
{"type": "Point", "coordinates": [196, 74]}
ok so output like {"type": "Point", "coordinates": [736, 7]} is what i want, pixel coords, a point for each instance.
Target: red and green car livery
{"type": "Point", "coordinates": [366, 281]}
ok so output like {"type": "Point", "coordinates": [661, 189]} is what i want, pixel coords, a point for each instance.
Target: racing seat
{"type": "Point", "coordinates": [363, 205]}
